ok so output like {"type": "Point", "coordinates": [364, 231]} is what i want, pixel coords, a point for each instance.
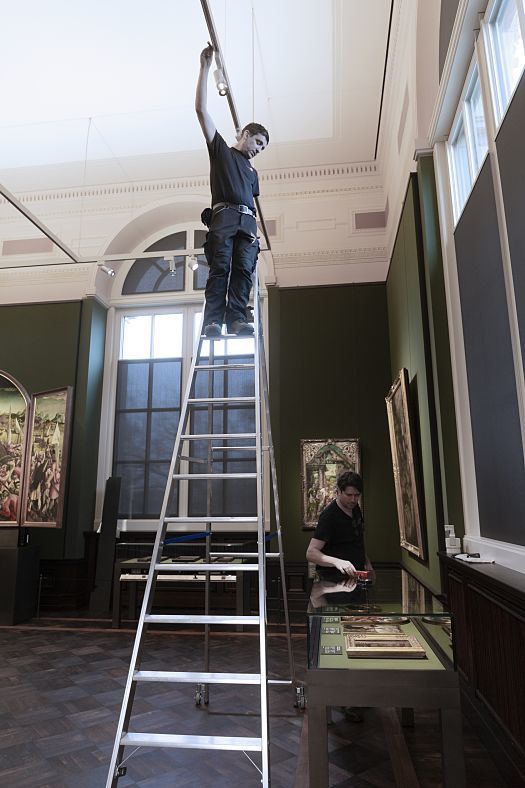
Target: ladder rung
{"type": "Point", "coordinates": [220, 400]}
{"type": "Point", "coordinates": [220, 367]}
{"type": "Point", "coordinates": [218, 436]}
{"type": "Point", "coordinates": [244, 555]}
{"type": "Point", "coordinates": [210, 519]}
{"type": "Point", "coordinates": [196, 619]}
{"type": "Point", "coordinates": [191, 742]}
{"type": "Point", "coordinates": [216, 567]}
{"type": "Point", "coordinates": [213, 476]}
{"type": "Point", "coordinates": [197, 678]}
{"type": "Point", "coordinates": [233, 448]}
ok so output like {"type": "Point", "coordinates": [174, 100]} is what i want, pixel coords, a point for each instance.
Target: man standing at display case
{"type": "Point", "coordinates": [232, 245]}
{"type": "Point", "coordinates": [337, 546]}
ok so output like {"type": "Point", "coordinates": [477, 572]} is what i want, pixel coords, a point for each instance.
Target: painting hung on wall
{"type": "Point", "coordinates": [322, 461]}
{"type": "Point", "coordinates": [403, 463]}
{"type": "Point", "coordinates": [47, 457]}
{"type": "Point", "coordinates": [14, 411]}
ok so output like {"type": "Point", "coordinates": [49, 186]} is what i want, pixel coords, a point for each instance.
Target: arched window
{"type": "Point", "coordinates": [153, 347]}
{"type": "Point", "coordinates": [154, 275]}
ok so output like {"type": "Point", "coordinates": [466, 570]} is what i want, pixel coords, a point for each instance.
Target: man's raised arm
{"type": "Point", "coordinates": [201, 95]}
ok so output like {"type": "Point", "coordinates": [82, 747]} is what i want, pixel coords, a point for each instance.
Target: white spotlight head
{"type": "Point", "coordinates": [171, 262]}
{"type": "Point", "coordinates": [220, 79]}
{"type": "Point", "coordinates": [108, 271]}
{"type": "Point", "coordinates": [193, 263]}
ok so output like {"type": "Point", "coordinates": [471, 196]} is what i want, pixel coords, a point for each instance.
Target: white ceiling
{"type": "Point", "coordinates": [108, 87]}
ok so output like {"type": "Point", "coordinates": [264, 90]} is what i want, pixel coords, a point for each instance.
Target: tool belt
{"type": "Point", "coordinates": [239, 208]}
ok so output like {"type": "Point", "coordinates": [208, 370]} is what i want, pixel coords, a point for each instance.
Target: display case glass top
{"type": "Point", "coordinates": [388, 619]}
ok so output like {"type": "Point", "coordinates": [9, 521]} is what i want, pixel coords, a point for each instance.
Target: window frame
{"type": "Point", "coordinates": [463, 121]}
{"type": "Point", "coordinates": [500, 102]}
{"type": "Point", "coordinates": [191, 302]}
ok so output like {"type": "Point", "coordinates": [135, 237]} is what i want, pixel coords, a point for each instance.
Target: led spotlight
{"type": "Point", "coordinates": [220, 79]}
{"type": "Point", "coordinates": [108, 271]}
{"type": "Point", "coordinates": [171, 262]}
{"type": "Point", "coordinates": [193, 263]}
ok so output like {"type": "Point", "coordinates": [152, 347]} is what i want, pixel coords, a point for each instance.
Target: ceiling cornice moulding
{"type": "Point", "coordinates": [199, 183]}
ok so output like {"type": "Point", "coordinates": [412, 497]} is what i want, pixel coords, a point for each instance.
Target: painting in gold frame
{"type": "Point", "coordinates": [14, 417]}
{"type": "Point", "coordinates": [322, 461]}
{"type": "Point", "coordinates": [403, 463]}
{"type": "Point", "coordinates": [47, 458]}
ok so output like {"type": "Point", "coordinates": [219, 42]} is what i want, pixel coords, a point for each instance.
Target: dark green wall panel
{"type": "Point", "coordinates": [51, 346]}
{"type": "Point", "coordinates": [41, 352]}
{"type": "Point", "coordinates": [409, 348]}
{"type": "Point", "coordinates": [86, 426]}
{"type": "Point", "coordinates": [440, 347]}
{"type": "Point", "coordinates": [329, 373]}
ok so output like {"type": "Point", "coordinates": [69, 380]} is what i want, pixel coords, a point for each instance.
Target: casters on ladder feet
{"type": "Point", "coordinates": [300, 697]}
{"type": "Point", "coordinates": [201, 695]}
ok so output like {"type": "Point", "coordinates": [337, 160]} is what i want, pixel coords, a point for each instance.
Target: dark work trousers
{"type": "Point", "coordinates": [231, 250]}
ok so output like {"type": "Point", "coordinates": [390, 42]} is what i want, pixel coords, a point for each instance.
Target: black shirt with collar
{"type": "Point", "coordinates": [232, 177]}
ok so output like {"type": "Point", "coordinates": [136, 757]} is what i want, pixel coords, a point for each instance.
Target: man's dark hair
{"type": "Point", "coordinates": [256, 128]}
{"type": "Point", "coordinates": [349, 479]}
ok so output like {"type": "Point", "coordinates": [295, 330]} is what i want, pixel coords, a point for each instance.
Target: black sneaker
{"type": "Point", "coordinates": [240, 327]}
{"type": "Point", "coordinates": [213, 330]}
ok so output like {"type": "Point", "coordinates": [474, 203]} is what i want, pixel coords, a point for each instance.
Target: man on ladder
{"type": "Point", "coordinates": [231, 244]}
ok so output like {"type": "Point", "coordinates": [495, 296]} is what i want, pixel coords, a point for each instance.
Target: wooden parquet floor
{"type": "Point", "coordinates": [61, 691]}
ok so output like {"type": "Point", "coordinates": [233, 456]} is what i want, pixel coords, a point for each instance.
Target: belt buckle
{"type": "Point", "coordinates": [244, 209]}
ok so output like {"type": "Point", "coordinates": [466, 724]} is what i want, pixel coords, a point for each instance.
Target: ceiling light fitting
{"type": "Point", "coordinates": [108, 271]}
{"type": "Point", "coordinates": [171, 262]}
{"type": "Point", "coordinates": [220, 79]}
{"type": "Point", "coordinates": [193, 263]}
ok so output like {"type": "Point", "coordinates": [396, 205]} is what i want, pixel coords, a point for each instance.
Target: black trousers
{"type": "Point", "coordinates": [231, 250]}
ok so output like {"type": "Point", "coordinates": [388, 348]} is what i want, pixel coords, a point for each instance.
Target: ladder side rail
{"type": "Point", "coordinates": [129, 690]}
{"type": "Point", "coordinates": [275, 488]}
{"type": "Point", "coordinates": [261, 549]}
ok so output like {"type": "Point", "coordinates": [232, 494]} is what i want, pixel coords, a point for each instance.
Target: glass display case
{"type": "Point", "coordinates": [381, 640]}
{"type": "Point", "coordinates": [380, 617]}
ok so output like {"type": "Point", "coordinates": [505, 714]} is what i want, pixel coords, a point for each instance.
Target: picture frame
{"type": "Point", "coordinates": [322, 461]}
{"type": "Point", "coordinates": [412, 593]}
{"type": "Point", "coordinates": [384, 646]}
{"type": "Point", "coordinates": [47, 458]}
{"type": "Point", "coordinates": [406, 475]}
{"type": "Point", "coordinates": [15, 409]}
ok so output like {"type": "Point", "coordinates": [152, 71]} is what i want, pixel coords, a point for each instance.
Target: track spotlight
{"type": "Point", "coordinates": [220, 79]}
{"type": "Point", "coordinates": [108, 271]}
{"type": "Point", "coordinates": [193, 263]}
{"type": "Point", "coordinates": [171, 263]}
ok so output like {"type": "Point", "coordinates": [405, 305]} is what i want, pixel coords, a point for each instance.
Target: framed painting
{"type": "Point", "coordinates": [322, 461]}
{"type": "Point", "coordinates": [403, 464]}
{"type": "Point", "coordinates": [14, 417]}
{"type": "Point", "coordinates": [48, 450]}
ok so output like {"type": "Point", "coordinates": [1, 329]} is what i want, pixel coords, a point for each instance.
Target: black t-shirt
{"type": "Point", "coordinates": [232, 177]}
{"type": "Point", "coordinates": [343, 536]}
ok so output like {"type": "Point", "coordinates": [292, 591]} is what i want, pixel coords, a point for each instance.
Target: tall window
{"type": "Point", "coordinates": [506, 37]}
{"type": "Point", "coordinates": [155, 345]}
{"type": "Point", "coordinates": [468, 141]}
{"type": "Point", "coordinates": [148, 401]}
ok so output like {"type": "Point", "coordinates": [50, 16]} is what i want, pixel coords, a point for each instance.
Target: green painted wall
{"type": "Point", "coordinates": [440, 348]}
{"type": "Point", "coordinates": [51, 346]}
{"type": "Point", "coordinates": [329, 374]}
{"type": "Point", "coordinates": [86, 426]}
{"type": "Point", "coordinates": [410, 348]}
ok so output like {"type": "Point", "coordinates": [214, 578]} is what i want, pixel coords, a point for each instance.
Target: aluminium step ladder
{"type": "Point", "coordinates": [255, 562]}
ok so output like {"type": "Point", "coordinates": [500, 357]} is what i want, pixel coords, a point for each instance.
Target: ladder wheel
{"type": "Point", "coordinates": [300, 697]}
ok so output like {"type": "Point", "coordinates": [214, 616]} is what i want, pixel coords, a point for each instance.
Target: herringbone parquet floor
{"type": "Point", "coordinates": [62, 690]}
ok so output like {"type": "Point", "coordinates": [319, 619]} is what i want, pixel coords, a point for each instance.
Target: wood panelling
{"type": "Point", "coordinates": [488, 606]}
{"type": "Point", "coordinates": [499, 648]}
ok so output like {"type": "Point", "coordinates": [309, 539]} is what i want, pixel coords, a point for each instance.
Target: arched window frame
{"type": "Point", "coordinates": [189, 302]}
